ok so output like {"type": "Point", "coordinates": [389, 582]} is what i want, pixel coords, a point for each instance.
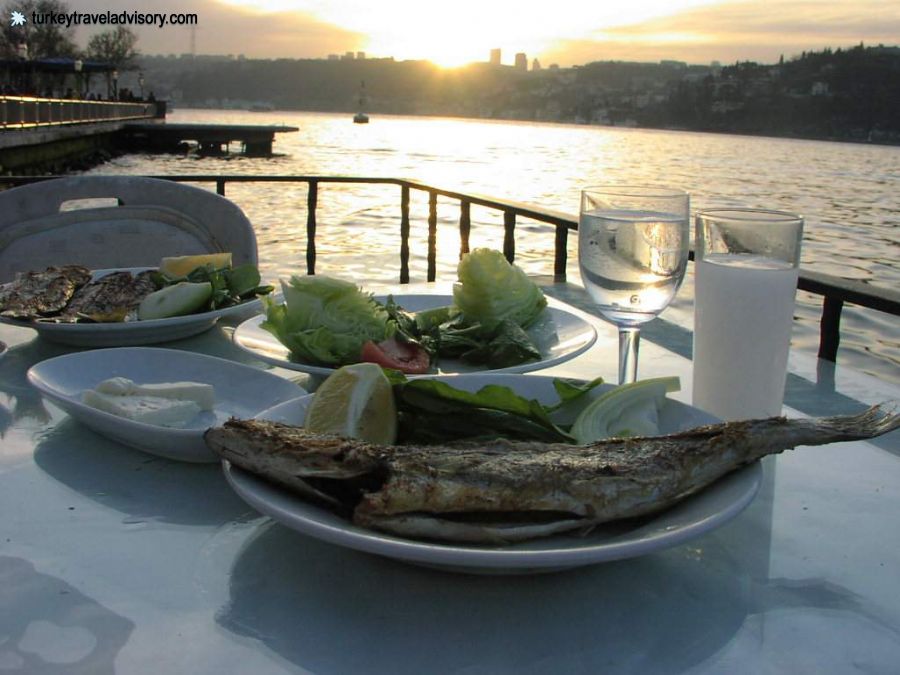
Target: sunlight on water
{"type": "Point", "coordinates": [848, 193]}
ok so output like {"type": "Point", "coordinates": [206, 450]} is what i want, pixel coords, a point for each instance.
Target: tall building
{"type": "Point", "coordinates": [495, 57]}
{"type": "Point", "coordinates": [535, 65]}
{"type": "Point", "coordinates": [360, 56]}
{"type": "Point", "coordinates": [521, 62]}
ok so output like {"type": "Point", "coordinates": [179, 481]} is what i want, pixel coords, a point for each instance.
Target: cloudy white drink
{"type": "Point", "coordinates": [744, 306]}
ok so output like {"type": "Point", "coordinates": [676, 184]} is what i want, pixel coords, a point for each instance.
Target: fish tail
{"type": "Point", "coordinates": [875, 421]}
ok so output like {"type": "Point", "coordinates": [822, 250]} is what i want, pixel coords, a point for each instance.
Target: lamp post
{"type": "Point", "coordinates": [79, 65]}
{"type": "Point", "coordinates": [115, 81]}
{"type": "Point", "coordinates": [141, 84]}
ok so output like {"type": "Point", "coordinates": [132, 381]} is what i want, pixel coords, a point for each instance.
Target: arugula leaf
{"type": "Point", "coordinates": [242, 279]}
{"type": "Point", "coordinates": [510, 345]}
{"type": "Point", "coordinates": [571, 390]}
{"type": "Point", "coordinates": [493, 410]}
{"type": "Point", "coordinates": [230, 286]}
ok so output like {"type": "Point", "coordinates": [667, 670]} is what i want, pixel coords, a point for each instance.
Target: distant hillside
{"type": "Point", "coordinates": [844, 94]}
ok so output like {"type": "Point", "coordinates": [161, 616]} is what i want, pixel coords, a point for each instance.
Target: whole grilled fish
{"type": "Point", "coordinates": [503, 491]}
{"type": "Point", "coordinates": [32, 295]}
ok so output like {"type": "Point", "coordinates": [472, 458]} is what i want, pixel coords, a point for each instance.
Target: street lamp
{"type": "Point", "coordinates": [115, 80]}
{"type": "Point", "coordinates": [141, 84]}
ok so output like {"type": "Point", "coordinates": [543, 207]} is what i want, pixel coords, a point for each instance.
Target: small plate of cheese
{"type": "Point", "coordinates": [160, 401]}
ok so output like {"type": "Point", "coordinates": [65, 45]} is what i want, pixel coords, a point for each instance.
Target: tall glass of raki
{"type": "Point", "coordinates": [747, 264]}
{"type": "Point", "coordinates": [632, 252]}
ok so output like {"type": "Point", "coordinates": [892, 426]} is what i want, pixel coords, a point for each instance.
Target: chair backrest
{"type": "Point", "coordinates": [153, 218]}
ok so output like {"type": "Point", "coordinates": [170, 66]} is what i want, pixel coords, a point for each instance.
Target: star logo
{"type": "Point", "coordinates": [16, 18]}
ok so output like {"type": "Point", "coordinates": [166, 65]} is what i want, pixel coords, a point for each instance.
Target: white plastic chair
{"type": "Point", "coordinates": [150, 219]}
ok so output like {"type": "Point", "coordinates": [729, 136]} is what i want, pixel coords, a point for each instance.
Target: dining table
{"type": "Point", "coordinates": [113, 560]}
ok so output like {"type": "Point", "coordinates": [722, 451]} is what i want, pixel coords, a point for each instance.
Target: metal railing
{"type": "Point", "coordinates": [26, 112]}
{"type": "Point", "coordinates": [834, 290]}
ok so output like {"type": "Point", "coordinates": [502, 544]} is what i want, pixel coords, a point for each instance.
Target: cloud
{"type": "Point", "coordinates": [733, 31]}
{"type": "Point", "coordinates": [226, 29]}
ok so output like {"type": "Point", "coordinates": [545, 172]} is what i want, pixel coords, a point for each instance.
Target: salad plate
{"type": "Point", "coordinates": [131, 333]}
{"type": "Point", "coordinates": [690, 518]}
{"type": "Point", "coordinates": [240, 391]}
{"type": "Point", "coordinates": [560, 333]}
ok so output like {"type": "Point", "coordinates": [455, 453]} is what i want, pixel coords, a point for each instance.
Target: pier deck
{"type": "Point", "coordinates": [212, 138]}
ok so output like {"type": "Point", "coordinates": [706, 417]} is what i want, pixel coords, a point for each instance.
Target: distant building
{"type": "Point", "coordinates": [521, 62]}
{"type": "Point", "coordinates": [535, 65]}
{"type": "Point", "coordinates": [348, 56]}
{"type": "Point", "coordinates": [673, 64]}
{"type": "Point", "coordinates": [554, 66]}
{"type": "Point", "coordinates": [360, 56]}
{"type": "Point", "coordinates": [334, 57]}
{"type": "Point", "coordinates": [495, 57]}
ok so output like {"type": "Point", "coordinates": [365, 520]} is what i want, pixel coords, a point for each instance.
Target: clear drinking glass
{"type": "Point", "coordinates": [632, 251]}
{"type": "Point", "coordinates": [746, 269]}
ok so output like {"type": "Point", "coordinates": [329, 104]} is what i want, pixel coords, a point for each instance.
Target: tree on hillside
{"type": "Point", "coordinates": [43, 40]}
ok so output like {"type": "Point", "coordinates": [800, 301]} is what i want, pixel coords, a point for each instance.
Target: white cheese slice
{"type": "Point", "coordinates": [204, 395]}
{"type": "Point", "coordinates": [155, 410]}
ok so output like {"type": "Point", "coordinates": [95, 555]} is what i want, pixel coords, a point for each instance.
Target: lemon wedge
{"type": "Point", "coordinates": [179, 266]}
{"type": "Point", "coordinates": [356, 401]}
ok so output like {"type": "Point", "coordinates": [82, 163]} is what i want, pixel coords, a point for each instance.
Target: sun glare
{"type": "Point", "coordinates": [467, 30]}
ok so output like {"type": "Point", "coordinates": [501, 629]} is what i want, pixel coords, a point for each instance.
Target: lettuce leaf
{"type": "Point", "coordinates": [326, 321]}
{"type": "Point", "coordinates": [491, 290]}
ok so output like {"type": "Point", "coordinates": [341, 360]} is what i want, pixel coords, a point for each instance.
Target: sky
{"type": "Point", "coordinates": [565, 32]}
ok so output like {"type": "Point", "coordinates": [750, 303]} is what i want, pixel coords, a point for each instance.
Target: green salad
{"type": "Point", "coordinates": [331, 322]}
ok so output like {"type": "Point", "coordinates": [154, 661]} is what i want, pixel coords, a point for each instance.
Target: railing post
{"type": "Point", "coordinates": [432, 235]}
{"type": "Point", "coordinates": [312, 199]}
{"type": "Point", "coordinates": [509, 235]}
{"type": "Point", "coordinates": [560, 252]}
{"type": "Point", "coordinates": [465, 225]}
{"type": "Point", "coordinates": [404, 234]}
{"type": "Point", "coordinates": [830, 328]}
{"type": "Point", "coordinates": [220, 186]}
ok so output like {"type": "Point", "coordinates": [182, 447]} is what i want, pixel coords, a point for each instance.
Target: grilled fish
{"type": "Point", "coordinates": [504, 491]}
{"type": "Point", "coordinates": [109, 298]}
{"type": "Point", "coordinates": [32, 295]}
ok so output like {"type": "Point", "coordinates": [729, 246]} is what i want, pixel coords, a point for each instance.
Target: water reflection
{"type": "Point", "coordinates": [48, 626]}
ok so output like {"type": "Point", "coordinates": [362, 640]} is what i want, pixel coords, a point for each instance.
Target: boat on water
{"type": "Point", "coordinates": [361, 117]}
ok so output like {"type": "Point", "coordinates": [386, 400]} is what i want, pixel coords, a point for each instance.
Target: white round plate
{"type": "Point", "coordinates": [696, 515]}
{"type": "Point", "coordinates": [560, 334]}
{"type": "Point", "coordinates": [129, 333]}
{"type": "Point", "coordinates": [241, 391]}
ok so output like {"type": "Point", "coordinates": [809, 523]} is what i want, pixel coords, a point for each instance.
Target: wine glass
{"type": "Point", "coordinates": [632, 252]}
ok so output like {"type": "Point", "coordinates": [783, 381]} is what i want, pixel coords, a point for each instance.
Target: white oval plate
{"type": "Point", "coordinates": [696, 515]}
{"type": "Point", "coordinates": [128, 333]}
{"type": "Point", "coordinates": [560, 334]}
{"type": "Point", "coordinates": [241, 391]}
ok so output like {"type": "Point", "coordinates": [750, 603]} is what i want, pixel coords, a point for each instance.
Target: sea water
{"type": "Point", "coordinates": [744, 307]}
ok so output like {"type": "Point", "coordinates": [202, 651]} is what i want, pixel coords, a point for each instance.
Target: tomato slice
{"type": "Point", "coordinates": [407, 357]}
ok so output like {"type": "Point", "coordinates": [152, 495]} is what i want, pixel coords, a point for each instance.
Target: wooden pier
{"type": "Point", "coordinates": [54, 135]}
{"type": "Point", "coordinates": [211, 139]}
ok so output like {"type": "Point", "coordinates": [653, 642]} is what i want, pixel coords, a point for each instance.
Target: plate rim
{"type": "Point", "coordinates": [324, 371]}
